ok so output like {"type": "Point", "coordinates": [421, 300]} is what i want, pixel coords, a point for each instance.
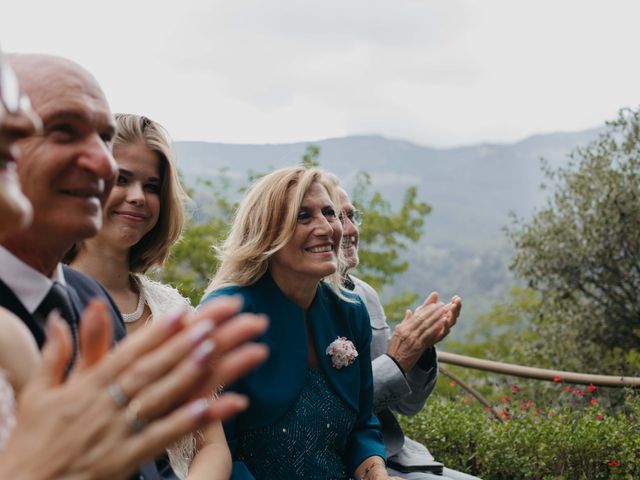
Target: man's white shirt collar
{"type": "Point", "coordinates": [29, 285]}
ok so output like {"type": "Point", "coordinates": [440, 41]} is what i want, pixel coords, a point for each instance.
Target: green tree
{"type": "Point", "coordinates": [193, 260]}
{"type": "Point", "coordinates": [384, 235]}
{"type": "Point", "coordinates": [504, 333]}
{"type": "Point", "coordinates": [582, 253]}
{"type": "Point", "coordinates": [310, 157]}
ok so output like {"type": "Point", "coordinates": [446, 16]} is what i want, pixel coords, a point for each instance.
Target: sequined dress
{"type": "Point", "coordinates": [308, 442]}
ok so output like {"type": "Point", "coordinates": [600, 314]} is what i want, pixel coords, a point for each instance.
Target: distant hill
{"type": "Point", "coordinates": [472, 189]}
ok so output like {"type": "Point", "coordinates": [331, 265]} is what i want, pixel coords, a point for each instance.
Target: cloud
{"type": "Point", "coordinates": [434, 72]}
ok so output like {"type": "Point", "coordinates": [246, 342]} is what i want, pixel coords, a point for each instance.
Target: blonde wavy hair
{"type": "Point", "coordinates": [265, 222]}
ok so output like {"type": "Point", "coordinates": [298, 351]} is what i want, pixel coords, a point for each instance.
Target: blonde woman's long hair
{"type": "Point", "coordinates": [265, 221]}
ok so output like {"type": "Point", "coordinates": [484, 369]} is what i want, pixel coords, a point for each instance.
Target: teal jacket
{"type": "Point", "coordinates": [274, 387]}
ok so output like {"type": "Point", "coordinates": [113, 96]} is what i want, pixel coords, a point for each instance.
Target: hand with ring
{"type": "Point", "coordinates": [120, 408]}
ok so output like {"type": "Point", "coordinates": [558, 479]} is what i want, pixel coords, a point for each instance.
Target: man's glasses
{"type": "Point", "coordinates": [354, 216]}
{"type": "Point", "coordinates": [10, 95]}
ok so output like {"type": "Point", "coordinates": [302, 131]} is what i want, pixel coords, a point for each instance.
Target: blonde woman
{"type": "Point", "coordinates": [142, 219]}
{"type": "Point", "coordinates": [310, 413]}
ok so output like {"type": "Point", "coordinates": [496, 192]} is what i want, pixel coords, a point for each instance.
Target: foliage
{"type": "Point", "coordinates": [310, 157]}
{"type": "Point", "coordinates": [384, 234]}
{"type": "Point", "coordinates": [581, 253]}
{"type": "Point", "coordinates": [534, 442]}
{"type": "Point", "coordinates": [503, 333]}
{"type": "Point", "coordinates": [193, 260]}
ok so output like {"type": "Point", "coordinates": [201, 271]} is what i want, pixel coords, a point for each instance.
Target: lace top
{"type": "Point", "coordinates": [7, 409]}
{"type": "Point", "coordinates": [308, 442]}
{"type": "Point", "coordinates": [160, 298]}
{"type": "Point", "coordinates": [163, 299]}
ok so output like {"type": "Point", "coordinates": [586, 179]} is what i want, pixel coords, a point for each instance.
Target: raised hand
{"type": "Point", "coordinates": [119, 408]}
{"type": "Point", "coordinates": [422, 329]}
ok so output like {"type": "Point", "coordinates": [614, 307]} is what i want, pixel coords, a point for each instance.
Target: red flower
{"type": "Point", "coordinates": [567, 389]}
{"type": "Point", "coordinates": [453, 383]}
{"type": "Point", "coordinates": [591, 388]}
{"type": "Point", "coordinates": [557, 379]}
{"type": "Point", "coordinates": [505, 399]}
{"type": "Point", "coordinates": [505, 414]}
{"type": "Point", "coordinates": [515, 389]}
{"type": "Point", "coordinates": [594, 401]}
{"type": "Point", "coordinates": [529, 403]}
{"type": "Point", "coordinates": [600, 417]}
{"type": "Point", "coordinates": [536, 411]}
{"type": "Point", "coordinates": [577, 391]}
{"type": "Point", "coordinates": [487, 408]}
{"type": "Point", "coordinates": [613, 463]}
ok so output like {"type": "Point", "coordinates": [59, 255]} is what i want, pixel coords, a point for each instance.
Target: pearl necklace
{"type": "Point", "coordinates": [137, 313]}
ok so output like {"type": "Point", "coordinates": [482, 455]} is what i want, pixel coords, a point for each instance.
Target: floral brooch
{"type": "Point", "coordinates": [342, 351]}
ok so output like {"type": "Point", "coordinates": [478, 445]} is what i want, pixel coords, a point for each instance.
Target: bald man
{"type": "Point", "coordinates": [66, 172]}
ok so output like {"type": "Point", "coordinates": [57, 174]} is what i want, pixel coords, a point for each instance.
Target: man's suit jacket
{"type": "Point", "coordinates": [82, 289]}
{"type": "Point", "coordinates": [392, 390]}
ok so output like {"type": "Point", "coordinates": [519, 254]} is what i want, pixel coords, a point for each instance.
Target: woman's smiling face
{"type": "Point", "coordinates": [312, 252]}
{"type": "Point", "coordinates": [133, 206]}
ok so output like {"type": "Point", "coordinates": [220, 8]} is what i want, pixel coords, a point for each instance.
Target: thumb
{"type": "Point", "coordinates": [56, 352]}
{"type": "Point", "coordinates": [408, 314]}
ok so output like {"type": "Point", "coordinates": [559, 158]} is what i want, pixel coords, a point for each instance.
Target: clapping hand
{"type": "Point", "coordinates": [119, 408]}
{"type": "Point", "coordinates": [422, 329]}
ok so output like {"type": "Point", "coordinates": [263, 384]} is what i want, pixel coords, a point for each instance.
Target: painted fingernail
{"type": "Point", "coordinates": [200, 331]}
{"type": "Point", "coordinates": [197, 408]}
{"type": "Point", "coordinates": [174, 317]}
{"type": "Point", "coordinates": [203, 352]}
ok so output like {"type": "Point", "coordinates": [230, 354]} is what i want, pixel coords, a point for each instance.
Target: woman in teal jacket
{"type": "Point", "coordinates": [310, 414]}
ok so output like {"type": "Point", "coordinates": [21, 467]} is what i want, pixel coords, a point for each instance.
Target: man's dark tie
{"type": "Point", "coordinates": [58, 298]}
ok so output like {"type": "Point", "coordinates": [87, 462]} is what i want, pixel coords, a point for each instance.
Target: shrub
{"type": "Point", "coordinates": [591, 442]}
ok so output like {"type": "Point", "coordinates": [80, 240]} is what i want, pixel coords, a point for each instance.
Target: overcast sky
{"type": "Point", "coordinates": [439, 73]}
